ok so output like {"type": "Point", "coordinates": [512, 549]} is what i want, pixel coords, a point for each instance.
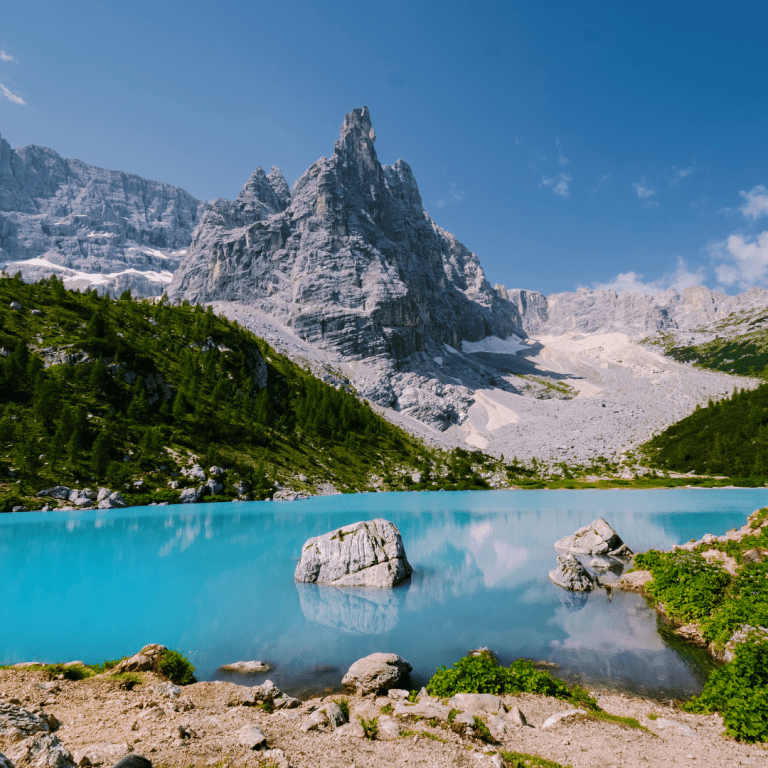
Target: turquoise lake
{"type": "Point", "coordinates": [216, 582]}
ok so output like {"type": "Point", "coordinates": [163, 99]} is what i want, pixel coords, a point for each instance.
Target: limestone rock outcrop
{"type": "Point", "coordinates": [349, 260]}
{"type": "Point", "coordinates": [571, 574]}
{"type": "Point", "coordinates": [635, 314]}
{"type": "Point", "coordinates": [365, 554]}
{"type": "Point", "coordinates": [90, 226]}
{"type": "Point", "coordinates": [597, 538]}
{"type": "Point", "coordinates": [376, 672]}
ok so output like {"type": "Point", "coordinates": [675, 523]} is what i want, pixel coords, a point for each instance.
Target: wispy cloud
{"type": "Point", "coordinates": [676, 174]}
{"type": "Point", "coordinates": [744, 260]}
{"type": "Point", "coordinates": [13, 97]}
{"type": "Point", "coordinates": [457, 194]}
{"type": "Point", "coordinates": [643, 189]}
{"type": "Point", "coordinates": [755, 203]}
{"type": "Point", "coordinates": [604, 179]}
{"type": "Point", "coordinates": [439, 203]}
{"type": "Point", "coordinates": [6, 56]}
{"type": "Point", "coordinates": [632, 282]}
{"type": "Point", "coordinates": [558, 183]}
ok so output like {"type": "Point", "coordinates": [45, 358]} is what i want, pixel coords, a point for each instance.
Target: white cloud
{"type": "Point", "coordinates": [675, 174]}
{"type": "Point", "coordinates": [755, 203]}
{"type": "Point", "coordinates": [6, 56]}
{"type": "Point", "coordinates": [644, 189]}
{"type": "Point", "coordinates": [744, 260]}
{"type": "Point", "coordinates": [4, 92]}
{"type": "Point", "coordinates": [558, 183]}
{"type": "Point", "coordinates": [604, 179]}
{"type": "Point", "coordinates": [439, 203]}
{"type": "Point", "coordinates": [680, 278]}
{"type": "Point", "coordinates": [457, 194]}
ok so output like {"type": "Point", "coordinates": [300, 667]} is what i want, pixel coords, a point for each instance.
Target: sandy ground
{"type": "Point", "coordinates": [104, 722]}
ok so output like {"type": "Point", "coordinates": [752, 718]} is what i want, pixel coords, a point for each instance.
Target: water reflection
{"type": "Point", "coordinates": [225, 576]}
{"type": "Point", "coordinates": [352, 609]}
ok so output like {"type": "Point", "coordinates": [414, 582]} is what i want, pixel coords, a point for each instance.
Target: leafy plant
{"type": "Point", "coordinates": [370, 727]}
{"type": "Point", "coordinates": [176, 668]}
{"type": "Point", "coordinates": [524, 760]}
{"type": "Point", "coordinates": [387, 709]}
{"type": "Point", "coordinates": [484, 674]}
{"type": "Point", "coordinates": [413, 697]}
{"type": "Point", "coordinates": [343, 706]}
{"type": "Point", "coordinates": [127, 680]}
{"type": "Point", "coordinates": [689, 586]}
{"type": "Point", "coordinates": [481, 731]}
{"type": "Point", "coordinates": [61, 672]}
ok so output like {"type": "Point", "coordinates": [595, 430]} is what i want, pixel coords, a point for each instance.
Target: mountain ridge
{"type": "Point", "coordinates": [90, 226]}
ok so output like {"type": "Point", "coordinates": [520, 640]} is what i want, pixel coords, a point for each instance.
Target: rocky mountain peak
{"type": "Point", "coordinates": [258, 196]}
{"type": "Point", "coordinates": [279, 186]}
{"type": "Point", "coordinates": [355, 146]}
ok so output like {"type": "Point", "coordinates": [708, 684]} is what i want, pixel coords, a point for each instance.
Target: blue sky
{"type": "Point", "coordinates": [568, 144]}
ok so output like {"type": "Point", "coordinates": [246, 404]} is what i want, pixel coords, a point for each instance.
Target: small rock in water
{"type": "Point", "coordinates": [246, 667]}
{"type": "Point", "coordinates": [571, 574]}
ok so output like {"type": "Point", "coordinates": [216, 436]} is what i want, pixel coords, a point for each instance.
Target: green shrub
{"type": "Point", "coordinates": [739, 691]}
{"type": "Point", "coordinates": [482, 732]}
{"type": "Point", "coordinates": [60, 672]}
{"type": "Point", "coordinates": [484, 674]}
{"type": "Point", "coordinates": [413, 697]}
{"type": "Point", "coordinates": [370, 727]}
{"type": "Point", "coordinates": [176, 668]}
{"type": "Point", "coordinates": [387, 709]}
{"type": "Point", "coordinates": [523, 760]}
{"type": "Point", "coordinates": [689, 587]}
{"type": "Point", "coordinates": [127, 680]}
{"type": "Point", "coordinates": [747, 603]}
{"type": "Point", "coordinates": [343, 706]}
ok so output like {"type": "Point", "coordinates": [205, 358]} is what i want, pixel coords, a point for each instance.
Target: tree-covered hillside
{"type": "Point", "coordinates": [728, 437]}
{"type": "Point", "coordinates": [122, 393]}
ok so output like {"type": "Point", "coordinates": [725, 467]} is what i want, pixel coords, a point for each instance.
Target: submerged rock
{"type": "Point", "coordinates": [364, 554]}
{"type": "Point", "coordinates": [571, 574]}
{"type": "Point", "coordinates": [597, 538]}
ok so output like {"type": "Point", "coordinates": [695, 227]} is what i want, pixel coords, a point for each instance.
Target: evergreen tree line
{"type": "Point", "coordinates": [728, 437]}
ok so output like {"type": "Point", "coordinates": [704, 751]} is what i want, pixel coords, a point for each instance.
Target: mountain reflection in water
{"type": "Point", "coordinates": [216, 581]}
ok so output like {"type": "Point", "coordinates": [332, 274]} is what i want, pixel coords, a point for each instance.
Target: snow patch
{"type": "Point", "coordinates": [493, 344]}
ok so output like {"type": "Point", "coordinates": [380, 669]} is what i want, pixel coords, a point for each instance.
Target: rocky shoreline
{"type": "Point", "coordinates": [98, 721]}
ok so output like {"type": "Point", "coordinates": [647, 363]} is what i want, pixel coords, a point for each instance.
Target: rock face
{"type": "Point", "coordinates": [597, 538]}
{"type": "Point", "coordinates": [88, 225]}
{"type": "Point", "coordinates": [349, 260]}
{"type": "Point", "coordinates": [377, 672]}
{"type": "Point", "coordinates": [364, 554]}
{"type": "Point", "coordinates": [571, 574]}
{"type": "Point", "coordinates": [635, 314]}
{"type": "Point", "coordinates": [147, 658]}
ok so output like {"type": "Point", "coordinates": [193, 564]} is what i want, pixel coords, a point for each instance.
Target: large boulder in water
{"type": "Point", "coordinates": [597, 538]}
{"type": "Point", "coordinates": [364, 554]}
{"type": "Point", "coordinates": [571, 574]}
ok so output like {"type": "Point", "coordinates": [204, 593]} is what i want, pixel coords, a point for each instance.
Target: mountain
{"type": "Point", "coordinates": [350, 261]}
{"type": "Point", "coordinates": [636, 314]}
{"type": "Point", "coordinates": [130, 395]}
{"type": "Point", "coordinates": [92, 227]}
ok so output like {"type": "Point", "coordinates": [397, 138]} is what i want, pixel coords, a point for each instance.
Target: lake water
{"type": "Point", "coordinates": [216, 581]}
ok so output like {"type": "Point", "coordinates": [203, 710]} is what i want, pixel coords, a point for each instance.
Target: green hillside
{"type": "Point", "coordinates": [744, 355]}
{"type": "Point", "coordinates": [728, 437]}
{"type": "Point", "coordinates": [124, 393]}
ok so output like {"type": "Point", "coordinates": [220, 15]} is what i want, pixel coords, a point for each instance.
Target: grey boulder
{"type": "Point", "coordinates": [58, 492]}
{"type": "Point", "coordinates": [146, 659]}
{"type": "Point", "coordinates": [571, 574]}
{"type": "Point", "coordinates": [41, 751]}
{"type": "Point", "coordinates": [252, 737]}
{"type": "Point", "coordinates": [597, 538]}
{"type": "Point", "coordinates": [113, 501]}
{"type": "Point", "coordinates": [376, 672]}
{"type": "Point", "coordinates": [190, 495]}
{"type": "Point", "coordinates": [16, 723]}
{"type": "Point", "coordinates": [364, 554]}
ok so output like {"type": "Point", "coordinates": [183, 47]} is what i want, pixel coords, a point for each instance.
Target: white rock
{"type": "Point", "coordinates": [477, 703]}
{"type": "Point", "coordinates": [556, 719]}
{"type": "Point", "coordinates": [376, 672]}
{"type": "Point", "coordinates": [41, 751]}
{"type": "Point", "coordinates": [571, 574]}
{"type": "Point", "coordinates": [367, 554]}
{"type": "Point", "coordinates": [246, 667]}
{"type": "Point", "coordinates": [190, 496]}
{"type": "Point", "coordinates": [597, 538]}
{"type": "Point", "coordinates": [516, 717]}
{"type": "Point", "coordinates": [388, 729]}
{"type": "Point", "coordinates": [681, 728]}
{"type": "Point", "coordinates": [251, 736]}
